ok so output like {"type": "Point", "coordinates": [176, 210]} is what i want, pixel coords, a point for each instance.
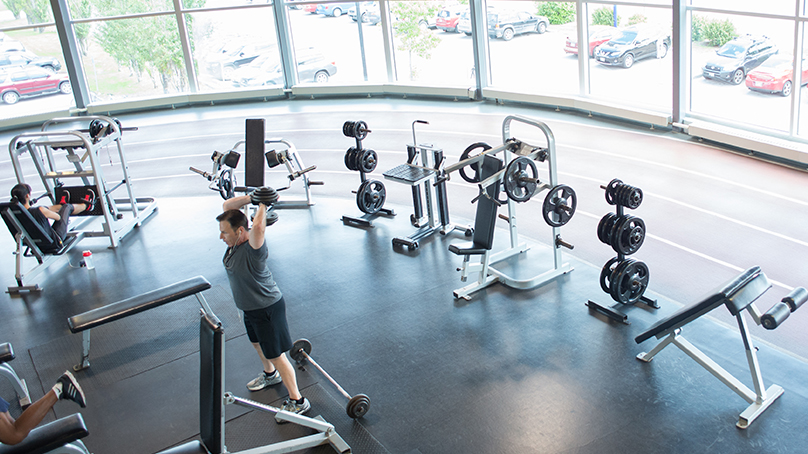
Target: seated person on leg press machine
{"type": "Point", "coordinates": [257, 295]}
{"type": "Point", "coordinates": [14, 431]}
{"type": "Point", "coordinates": [60, 213]}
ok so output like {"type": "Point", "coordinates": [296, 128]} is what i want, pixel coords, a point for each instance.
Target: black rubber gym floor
{"type": "Point", "coordinates": [509, 371]}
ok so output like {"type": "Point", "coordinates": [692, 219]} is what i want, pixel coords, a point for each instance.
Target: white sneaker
{"type": "Point", "coordinates": [262, 381]}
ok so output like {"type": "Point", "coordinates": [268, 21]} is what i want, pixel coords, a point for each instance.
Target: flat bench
{"type": "Point", "coordinates": [60, 436]}
{"type": "Point", "coordinates": [737, 295]}
{"type": "Point", "coordinates": [82, 323]}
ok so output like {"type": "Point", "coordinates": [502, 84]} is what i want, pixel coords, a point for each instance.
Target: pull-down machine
{"type": "Point", "coordinates": [519, 176]}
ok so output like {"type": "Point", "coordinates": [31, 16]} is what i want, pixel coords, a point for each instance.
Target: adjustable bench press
{"type": "Point", "coordinates": [82, 323]}
{"type": "Point", "coordinates": [737, 295]}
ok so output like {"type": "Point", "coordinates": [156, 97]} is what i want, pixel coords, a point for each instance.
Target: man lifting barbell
{"type": "Point", "coordinates": [257, 295]}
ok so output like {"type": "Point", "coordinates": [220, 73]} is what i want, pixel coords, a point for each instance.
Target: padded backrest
{"type": "Point", "coordinates": [486, 216]}
{"type": "Point", "coordinates": [41, 237]}
{"type": "Point", "coordinates": [211, 383]}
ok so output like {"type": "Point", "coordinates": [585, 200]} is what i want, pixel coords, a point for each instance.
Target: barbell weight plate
{"type": "Point", "coordinates": [559, 205]}
{"type": "Point", "coordinates": [297, 347]}
{"type": "Point", "coordinates": [265, 195]}
{"type": "Point", "coordinates": [630, 235]}
{"type": "Point", "coordinates": [360, 130]}
{"type": "Point", "coordinates": [347, 158]}
{"type": "Point", "coordinates": [368, 161]}
{"type": "Point", "coordinates": [96, 126]}
{"type": "Point", "coordinates": [475, 177]}
{"type": "Point", "coordinates": [272, 217]}
{"type": "Point", "coordinates": [610, 191]}
{"type": "Point", "coordinates": [606, 272]}
{"type": "Point", "coordinates": [355, 159]}
{"type": "Point", "coordinates": [358, 406]}
{"type": "Point", "coordinates": [605, 227]}
{"type": "Point", "coordinates": [370, 196]}
{"type": "Point", "coordinates": [613, 232]}
{"type": "Point", "coordinates": [633, 198]}
{"type": "Point", "coordinates": [521, 179]}
{"type": "Point", "coordinates": [614, 280]}
{"type": "Point", "coordinates": [347, 129]}
{"type": "Point", "coordinates": [631, 280]}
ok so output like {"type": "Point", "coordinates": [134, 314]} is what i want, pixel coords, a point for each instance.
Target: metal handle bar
{"type": "Point", "coordinates": [333, 382]}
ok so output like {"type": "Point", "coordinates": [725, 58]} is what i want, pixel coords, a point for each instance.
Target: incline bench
{"type": "Point", "coordinates": [39, 243]}
{"type": "Point", "coordinates": [59, 437]}
{"type": "Point", "coordinates": [130, 306]}
{"type": "Point", "coordinates": [737, 295]}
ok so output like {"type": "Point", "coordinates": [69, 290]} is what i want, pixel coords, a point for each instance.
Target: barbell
{"type": "Point", "coordinates": [358, 405]}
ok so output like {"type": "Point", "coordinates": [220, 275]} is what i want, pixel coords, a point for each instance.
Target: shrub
{"type": "Point", "coordinates": [717, 33]}
{"type": "Point", "coordinates": [557, 13]}
{"type": "Point", "coordinates": [637, 19]}
{"type": "Point", "coordinates": [697, 28]}
{"type": "Point", "coordinates": [604, 16]}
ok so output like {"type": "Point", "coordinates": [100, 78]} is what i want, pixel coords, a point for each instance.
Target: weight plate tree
{"type": "Point", "coordinates": [625, 280]}
{"type": "Point", "coordinates": [371, 194]}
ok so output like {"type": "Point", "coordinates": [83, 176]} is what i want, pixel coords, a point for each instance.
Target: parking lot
{"type": "Point", "coordinates": [530, 63]}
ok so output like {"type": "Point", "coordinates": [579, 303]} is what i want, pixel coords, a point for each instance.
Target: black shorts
{"type": "Point", "coordinates": [268, 328]}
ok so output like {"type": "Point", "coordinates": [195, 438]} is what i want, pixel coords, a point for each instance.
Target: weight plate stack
{"type": "Point", "coordinates": [521, 179]}
{"type": "Point", "coordinates": [371, 196]}
{"type": "Point", "coordinates": [368, 161]}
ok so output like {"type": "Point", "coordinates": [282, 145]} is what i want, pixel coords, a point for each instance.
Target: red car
{"type": "Point", "coordinates": [449, 17]}
{"type": "Point", "coordinates": [310, 8]}
{"type": "Point", "coordinates": [31, 81]}
{"type": "Point", "coordinates": [598, 34]}
{"type": "Point", "coordinates": [775, 75]}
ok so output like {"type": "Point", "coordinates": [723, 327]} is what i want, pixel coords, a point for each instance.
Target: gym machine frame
{"type": "Point", "coordinates": [487, 273]}
{"type": "Point", "coordinates": [414, 175]}
{"type": "Point", "coordinates": [74, 141]}
{"type": "Point", "coordinates": [289, 157]}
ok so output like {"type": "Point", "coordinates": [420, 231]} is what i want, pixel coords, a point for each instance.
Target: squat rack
{"type": "Point", "coordinates": [512, 149]}
{"type": "Point", "coordinates": [79, 148]}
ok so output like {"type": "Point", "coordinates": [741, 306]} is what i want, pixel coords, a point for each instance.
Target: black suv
{"type": "Point", "coordinates": [736, 58]}
{"type": "Point", "coordinates": [633, 43]}
{"type": "Point", "coordinates": [506, 24]}
{"type": "Point", "coordinates": [16, 59]}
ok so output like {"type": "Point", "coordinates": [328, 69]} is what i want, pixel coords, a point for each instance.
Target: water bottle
{"type": "Point", "coordinates": [88, 259]}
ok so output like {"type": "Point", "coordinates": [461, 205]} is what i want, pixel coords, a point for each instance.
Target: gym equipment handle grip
{"type": "Point", "coordinates": [796, 298]}
{"type": "Point", "coordinates": [775, 316]}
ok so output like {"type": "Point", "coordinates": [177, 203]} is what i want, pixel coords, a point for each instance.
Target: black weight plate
{"type": "Point", "coordinates": [614, 231]}
{"type": "Point", "coordinates": [606, 272]}
{"type": "Point", "coordinates": [368, 161]}
{"type": "Point", "coordinates": [96, 126]}
{"type": "Point", "coordinates": [358, 406]}
{"type": "Point", "coordinates": [348, 157]}
{"type": "Point", "coordinates": [634, 198]}
{"type": "Point", "coordinates": [610, 191]}
{"type": "Point", "coordinates": [355, 159]}
{"type": "Point", "coordinates": [297, 347]}
{"type": "Point", "coordinates": [614, 279]}
{"type": "Point", "coordinates": [370, 196]}
{"type": "Point", "coordinates": [347, 129]}
{"type": "Point", "coordinates": [631, 282]}
{"type": "Point", "coordinates": [605, 227]}
{"type": "Point", "coordinates": [272, 217]}
{"type": "Point", "coordinates": [630, 235]}
{"type": "Point", "coordinates": [517, 173]}
{"type": "Point", "coordinates": [559, 205]}
{"type": "Point", "coordinates": [475, 178]}
{"type": "Point", "coordinates": [360, 130]}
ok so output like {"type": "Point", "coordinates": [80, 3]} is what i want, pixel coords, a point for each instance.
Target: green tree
{"type": "Point", "coordinates": [36, 11]}
{"type": "Point", "coordinates": [557, 12]}
{"type": "Point", "coordinates": [412, 38]}
{"type": "Point", "coordinates": [81, 9]}
{"type": "Point", "coordinates": [718, 32]}
{"type": "Point", "coordinates": [637, 19]}
{"type": "Point", "coordinates": [604, 16]}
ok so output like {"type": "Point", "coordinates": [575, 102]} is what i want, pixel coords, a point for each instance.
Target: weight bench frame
{"type": "Point", "coordinates": [58, 437]}
{"type": "Point", "coordinates": [20, 387]}
{"type": "Point", "coordinates": [212, 400]}
{"type": "Point", "coordinates": [100, 316]}
{"type": "Point", "coordinates": [511, 149]}
{"type": "Point", "coordinates": [33, 240]}
{"type": "Point", "coordinates": [737, 295]}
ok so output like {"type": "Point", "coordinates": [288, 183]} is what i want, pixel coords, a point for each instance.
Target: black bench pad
{"type": "Point", "coordinates": [192, 447]}
{"type": "Point", "coordinates": [6, 353]}
{"type": "Point", "coordinates": [136, 304]}
{"type": "Point", "coordinates": [50, 436]}
{"type": "Point", "coordinates": [737, 294]}
{"type": "Point", "coordinates": [467, 248]}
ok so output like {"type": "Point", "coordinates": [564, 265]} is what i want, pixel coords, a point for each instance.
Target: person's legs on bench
{"type": "Point", "coordinates": [14, 431]}
{"type": "Point", "coordinates": [65, 211]}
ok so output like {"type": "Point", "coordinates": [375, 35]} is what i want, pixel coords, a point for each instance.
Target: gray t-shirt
{"type": "Point", "coordinates": [250, 279]}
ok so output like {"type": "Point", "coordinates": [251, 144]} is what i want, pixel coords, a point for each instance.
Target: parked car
{"type": "Point", "coordinates": [24, 58]}
{"type": "Point", "coordinates": [333, 9]}
{"type": "Point", "coordinates": [11, 45]}
{"type": "Point", "coordinates": [633, 43]}
{"type": "Point", "coordinates": [231, 56]}
{"type": "Point", "coordinates": [371, 14]}
{"type": "Point", "coordinates": [734, 60]}
{"type": "Point", "coordinates": [312, 66]}
{"type": "Point", "coordinates": [311, 8]}
{"type": "Point", "coordinates": [448, 17]}
{"type": "Point", "coordinates": [464, 23]}
{"type": "Point", "coordinates": [598, 34]}
{"type": "Point", "coordinates": [507, 24]}
{"type": "Point", "coordinates": [776, 75]}
{"type": "Point", "coordinates": [31, 81]}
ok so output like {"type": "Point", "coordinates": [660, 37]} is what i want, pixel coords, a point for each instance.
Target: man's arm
{"type": "Point", "coordinates": [259, 227]}
{"type": "Point", "coordinates": [49, 213]}
{"type": "Point", "coordinates": [236, 202]}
